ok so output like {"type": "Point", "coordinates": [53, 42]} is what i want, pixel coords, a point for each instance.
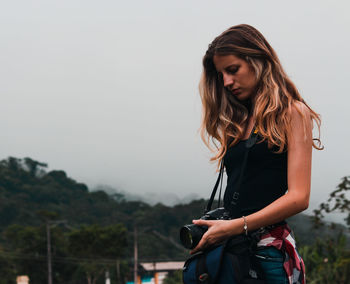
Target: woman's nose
{"type": "Point", "coordinates": [228, 80]}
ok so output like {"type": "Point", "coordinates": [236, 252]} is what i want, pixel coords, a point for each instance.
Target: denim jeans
{"type": "Point", "coordinates": [271, 261]}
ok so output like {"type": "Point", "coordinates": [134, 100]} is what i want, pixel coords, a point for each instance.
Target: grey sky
{"type": "Point", "coordinates": [107, 90]}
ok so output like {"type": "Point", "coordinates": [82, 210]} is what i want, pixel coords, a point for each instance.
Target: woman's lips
{"type": "Point", "coordinates": [236, 91]}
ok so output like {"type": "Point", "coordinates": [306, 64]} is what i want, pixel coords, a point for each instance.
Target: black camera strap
{"type": "Point", "coordinates": [248, 144]}
{"type": "Point", "coordinates": [213, 193]}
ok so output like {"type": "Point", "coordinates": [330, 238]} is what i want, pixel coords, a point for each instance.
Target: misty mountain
{"type": "Point", "coordinates": [26, 188]}
{"type": "Point", "coordinates": [151, 198]}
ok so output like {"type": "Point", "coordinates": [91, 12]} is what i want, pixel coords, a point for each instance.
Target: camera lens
{"type": "Point", "coordinates": [186, 237]}
{"type": "Point", "coordinates": [190, 235]}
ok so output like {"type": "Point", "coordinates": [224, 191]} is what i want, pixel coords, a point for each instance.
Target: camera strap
{"type": "Point", "coordinates": [213, 193]}
{"type": "Point", "coordinates": [248, 144]}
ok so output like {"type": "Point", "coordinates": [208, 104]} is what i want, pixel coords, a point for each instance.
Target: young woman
{"type": "Point", "coordinates": [245, 88]}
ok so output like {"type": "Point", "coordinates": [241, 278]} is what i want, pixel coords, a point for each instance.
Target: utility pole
{"type": "Point", "coordinates": [49, 267]}
{"type": "Point", "coordinates": [48, 236]}
{"type": "Point", "coordinates": [118, 270]}
{"type": "Point", "coordinates": [135, 255]}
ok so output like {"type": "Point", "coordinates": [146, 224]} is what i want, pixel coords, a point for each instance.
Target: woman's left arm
{"type": "Point", "coordinates": [293, 202]}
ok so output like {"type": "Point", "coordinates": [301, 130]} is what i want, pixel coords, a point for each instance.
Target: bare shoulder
{"type": "Point", "coordinates": [299, 109]}
{"type": "Point", "coordinates": [300, 122]}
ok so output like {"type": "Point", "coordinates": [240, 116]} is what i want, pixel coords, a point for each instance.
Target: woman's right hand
{"type": "Point", "coordinates": [218, 231]}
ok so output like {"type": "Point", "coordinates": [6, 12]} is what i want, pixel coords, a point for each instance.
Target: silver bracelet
{"type": "Point", "coordinates": [245, 227]}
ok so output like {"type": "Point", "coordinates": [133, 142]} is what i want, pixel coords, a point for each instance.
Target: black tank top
{"type": "Point", "coordinates": [264, 179]}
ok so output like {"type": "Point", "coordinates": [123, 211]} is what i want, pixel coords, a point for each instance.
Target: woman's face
{"type": "Point", "coordinates": [237, 76]}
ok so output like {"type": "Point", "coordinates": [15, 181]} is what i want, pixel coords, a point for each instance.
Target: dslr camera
{"type": "Point", "coordinates": [191, 234]}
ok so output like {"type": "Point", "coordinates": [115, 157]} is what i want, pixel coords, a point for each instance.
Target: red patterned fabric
{"type": "Point", "coordinates": [281, 238]}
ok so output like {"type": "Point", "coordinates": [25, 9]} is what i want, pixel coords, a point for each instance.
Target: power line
{"type": "Point", "coordinates": [75, 260]}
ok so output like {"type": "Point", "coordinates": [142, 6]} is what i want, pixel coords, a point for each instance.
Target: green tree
{"type": "Point", "coordinates": [34, 167]}
{"type": "Point", "coordinates": [337, 202]}
{"type": "Point", "coordinates": [98, 248]}
{"type": "Point", "coordinates": [328, 260]}
{"type": "Point", "coordinates": [28, 246]}
{"type": "Point", "coordinates": [7, 268]}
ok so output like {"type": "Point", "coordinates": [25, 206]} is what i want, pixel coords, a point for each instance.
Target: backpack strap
{"type": "Point", "coordinates": [202, 273]}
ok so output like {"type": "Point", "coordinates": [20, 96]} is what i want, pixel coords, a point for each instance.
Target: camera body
{"type": "Point", "coordinates": [191, 234]}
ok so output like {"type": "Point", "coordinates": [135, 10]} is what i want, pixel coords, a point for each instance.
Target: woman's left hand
{"type": "Point", "coordinates": [218, 231]}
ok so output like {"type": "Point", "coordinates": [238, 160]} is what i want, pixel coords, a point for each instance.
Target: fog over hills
{"type": "Point", "coordinates": [152, 198]}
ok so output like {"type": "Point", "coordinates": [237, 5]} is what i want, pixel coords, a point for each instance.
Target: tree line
{"type": "Point", "coordinates": [92, 232]}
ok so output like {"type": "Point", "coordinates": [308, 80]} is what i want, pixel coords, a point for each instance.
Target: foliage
{"type": "Point", "coordinates": [22, 189]}
{"type": "Point", "coordinates": [93, 244]}
{"type": "Point", "coordinates": [28, 249]}
{"type": "Point", "coordinates": [337, 202]}
{"type": "Point", "coordinates": [30, 196]}
{"type": "Point", "coordinates": [88, 251]}
{"type": "Point", "coordinates": [7, 268]}
{"type": "Point", "coordinates": [328, 260]}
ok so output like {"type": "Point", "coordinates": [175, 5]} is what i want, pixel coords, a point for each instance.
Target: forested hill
{"type": "Point", "coordinates": [26, 188]}
{"type": "Point", "coordinates": [93, 232]}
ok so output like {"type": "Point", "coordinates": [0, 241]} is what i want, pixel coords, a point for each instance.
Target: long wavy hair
{"type": "Point", "coordinates": [224, 117]}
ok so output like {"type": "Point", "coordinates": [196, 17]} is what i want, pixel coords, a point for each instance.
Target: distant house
{"type": "Point", "coordinates": [155, 272]}
{"type": "Point", "coordinates": [23, 279]}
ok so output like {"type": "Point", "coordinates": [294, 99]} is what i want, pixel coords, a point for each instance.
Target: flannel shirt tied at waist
{"type": "Point", "coordinates": [281, 238]}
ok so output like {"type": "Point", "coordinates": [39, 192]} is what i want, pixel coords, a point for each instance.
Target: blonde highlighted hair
{"type": "Point", "coordinates": [224, 116]}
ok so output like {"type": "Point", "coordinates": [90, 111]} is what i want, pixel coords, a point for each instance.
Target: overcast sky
{"type": "Point", "coordinates": [108, 90]}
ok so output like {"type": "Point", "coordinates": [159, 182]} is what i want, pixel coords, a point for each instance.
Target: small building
{"type": "Point", "coordinates": [23, 279]}
{"type": "Point", "coordinates": [155, 272]}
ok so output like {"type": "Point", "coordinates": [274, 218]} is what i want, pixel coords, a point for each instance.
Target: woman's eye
{"type": "Point", "coordinates": [232, 71]}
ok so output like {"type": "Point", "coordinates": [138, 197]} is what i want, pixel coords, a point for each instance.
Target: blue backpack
{"type": "Point", "coordinates": [232, 262]}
